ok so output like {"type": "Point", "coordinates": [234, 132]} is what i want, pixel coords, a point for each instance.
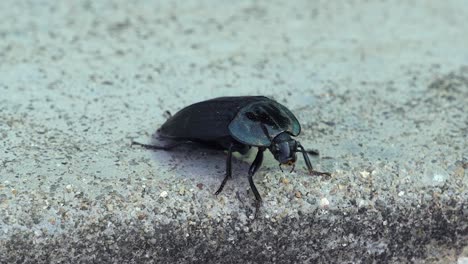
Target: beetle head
{"type": "Point", "coordinates": [284, 149]}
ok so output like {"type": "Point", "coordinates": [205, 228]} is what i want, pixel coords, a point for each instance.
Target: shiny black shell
{"type": "Point", "coordinates": [249, 120]}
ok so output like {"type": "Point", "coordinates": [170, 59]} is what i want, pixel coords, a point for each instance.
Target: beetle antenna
{"type": "Point", "coordinates": [292, 169]}
{"type": "Point", "coordinates": [281, 168]}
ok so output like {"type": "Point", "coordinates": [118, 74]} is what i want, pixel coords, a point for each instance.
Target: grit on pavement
{"type": "Point", "coordinates": [379, 87]}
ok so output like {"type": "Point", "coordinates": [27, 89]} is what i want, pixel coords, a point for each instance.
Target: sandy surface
{"type": "Point", "coordinates": [380, 88]}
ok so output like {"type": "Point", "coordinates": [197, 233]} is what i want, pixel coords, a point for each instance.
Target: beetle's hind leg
{"type": "Point", "coordinates": [167, 147]}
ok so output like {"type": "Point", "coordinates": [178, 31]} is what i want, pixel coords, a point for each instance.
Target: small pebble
{"type": "Point", "coordinates": [459, 172]}
{"type": "Point", "coordinates": [163, 194]}
{"type": "Point", "coordinates": [364, 174]}
{"type": "Point", "coordinates": [182, 191]}
{"type": "Point", "coordinates": [141, 216]}
{"type": "Point", "coordinates": [298, 194]}
{"type": "Point", "coordinates": [324, 203]}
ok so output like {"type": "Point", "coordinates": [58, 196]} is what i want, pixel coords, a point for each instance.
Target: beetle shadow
{"type": "Point", "coordinates": [201, 164]}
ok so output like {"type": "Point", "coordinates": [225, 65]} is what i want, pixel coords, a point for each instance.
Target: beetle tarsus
{"type": "Point", "coordinates": [258, 204]}
{"type": "Point", "coordinates": [221, 187]}
{"type": "Point", "coordinates": [281, 168]}
{"type": "Point", "coordinates": [292, 169]}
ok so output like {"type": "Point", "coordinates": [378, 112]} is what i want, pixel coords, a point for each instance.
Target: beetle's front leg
{"type": "Point", "coordinates": [252, 170]}
{"type": "Point", "coordinates": [309, 164]}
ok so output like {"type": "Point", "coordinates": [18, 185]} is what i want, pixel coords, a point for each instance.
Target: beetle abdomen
{"type": "Point", "coordinates": [207, 120]}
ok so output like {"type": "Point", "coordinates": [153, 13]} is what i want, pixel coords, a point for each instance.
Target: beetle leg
{"type": "Point", "coordinates": [228, 170]}
{"type": "Point", "coordinates": [306, 158]}
{"type": "Point", "coordinates": [167, 114]}
{"type": "Point", "coordinates": [167, 147]}
{"type": "Point", "coordinates": [293, 166]}
{"type": "Point", "coordinates": [309, 165]}
{"type": "Point", "coordinates": [252, 170]}
{"type": "Point", "coordinates": [313, 152]}
{"type": "Point", "coordinates": [281, 168]}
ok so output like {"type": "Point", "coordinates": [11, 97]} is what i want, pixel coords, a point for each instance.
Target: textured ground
{"type": "Point", "coordinates": [381, 89]}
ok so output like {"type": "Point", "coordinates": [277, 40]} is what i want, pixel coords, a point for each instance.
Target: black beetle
{"type": "Point", "coordinates": [236, 124]}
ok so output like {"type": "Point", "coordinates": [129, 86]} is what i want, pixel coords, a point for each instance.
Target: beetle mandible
{"type": "Point", "coordinates": [236, 124]}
